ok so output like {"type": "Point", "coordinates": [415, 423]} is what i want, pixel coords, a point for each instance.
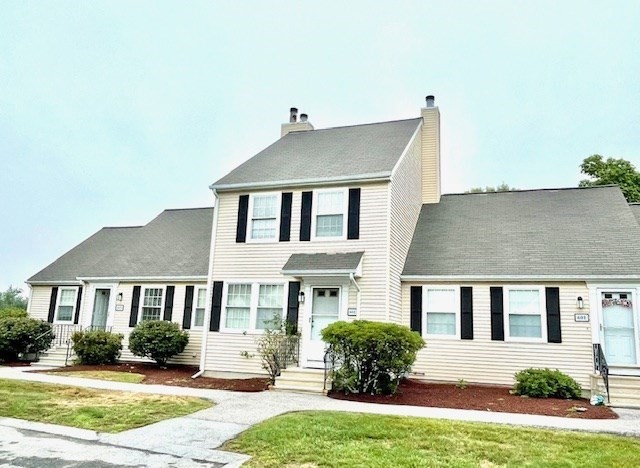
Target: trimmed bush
{"type": "Point", "coordinates": [371, 357]}
{"type": "Point", "coordinates": [158, 339]}
{"type": "Point", "coordinates": [97, 346]}
{"type": "Point", "coordinates": [11, 311]}
{"type": "Point", "coordinates": [546, 383]}
{"type": "Point", "coordinates": [20, 335]}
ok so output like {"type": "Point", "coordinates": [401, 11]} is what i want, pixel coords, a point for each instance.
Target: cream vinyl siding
{"type": "Point", "coordinates": [191, 354]}
{"type": "Point", "coordinates": [482, 360]}
{"type": "Point", "coordinates": [405, 202]}
{"type": "Point", "coordinates": [430, 155]}
{"type": "Point", "coordinates": [39, 305]}
{"type": "Point", "coordinates": [262, 262]}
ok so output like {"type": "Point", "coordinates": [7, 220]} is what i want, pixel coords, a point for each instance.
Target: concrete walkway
{"type": "Point", "coordinates": [199, 434]}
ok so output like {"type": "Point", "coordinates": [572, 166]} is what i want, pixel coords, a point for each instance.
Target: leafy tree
{"type": "Point", "coordinates": [500, 188]}
{"type": "Point", "coordinates": [612, 171]}
{"type": "Point", "coordinates": [12, 297]}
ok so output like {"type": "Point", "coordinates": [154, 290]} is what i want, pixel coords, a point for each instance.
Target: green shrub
{"type": "Point", "coordinates": [11, 311]}
{"type": "Point", "coordinates": [20, 335]}
{"type": "Point", "coordinates": [158, 340]}
{"type": "Point", "coordinates": [545, 383]}
{"type": "Point", "coordinates": [372, 357]}
{"type": "Point", "coordinates": [97, 346]}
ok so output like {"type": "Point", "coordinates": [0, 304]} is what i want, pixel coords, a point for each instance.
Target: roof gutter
{"type": "Point", "coordinates": [480, 278]}
{"type": "Point", "coordinates": [55, 283]}
{"type": "Point", "coordinates": [301, 273]}
{"type": "Point", "coordinates": [373, 177]}
{"type": "Point", "coordinates": [142, 278]}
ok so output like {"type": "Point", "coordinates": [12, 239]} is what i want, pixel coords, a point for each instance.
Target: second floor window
{"type": "Point", "coordinates": [264, 217]}
{"type": "Point", "coordinates": [330, 214]}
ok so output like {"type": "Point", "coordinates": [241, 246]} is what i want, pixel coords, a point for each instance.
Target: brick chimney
{"type": "Point", "coordinates": [430, 152]}
{"type": "Point", "coordinates": [293, 125]}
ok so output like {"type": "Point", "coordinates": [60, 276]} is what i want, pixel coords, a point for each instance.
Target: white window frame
{"type": "Point", "coordinates": [542, 308]}
{"type": "Point", "coordinates": [195, 306]}
{"type": "Point", "coordinates": [345, 214]}
{"type": "Point", "coordinates": [456, 293]}
{"type": "Point", "coordinates": [252, 197]}
{"type": "Point", "coordinates": [253, 304]}
{"type": "Point", "coordinates": [141, 300]}
{"type": "Point", "coordinates": [75, 303]}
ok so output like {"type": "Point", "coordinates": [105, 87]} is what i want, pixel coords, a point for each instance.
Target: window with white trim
{"type": "Point", "coordinates": [330, 213]}
{"type": "Point", "coordinates": [152, 304]}
{"type": "Point", "coordinates": [201, 300]}
{"type": "Point", "coordinates": [66, 304]}
{"type": "Point", "coordinates": [253, 306]}
{"type": "Point", "coordinates": [442, 311]}
{"type": "Point", "coordinates": [263, 225]}
{"type": "Point", "coordinates": [525, 314]}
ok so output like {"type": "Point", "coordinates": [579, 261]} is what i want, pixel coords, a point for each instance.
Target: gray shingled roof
{"type": "Point", "coordinates": [586, 232]}
{"type": "Point", "coordinates": [359, 151]}
{"type": "Point", "coordinates": [337, 262]}
{"type": "Point", "coordinates": [175, 243]}
{"type": "Point", "coordinates": [635, 209]}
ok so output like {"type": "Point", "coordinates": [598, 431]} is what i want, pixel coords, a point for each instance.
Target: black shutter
{"type": "Point", "coordinates": [305, 216]}
{"type": "Point", "coordinates": [554, 334]}
{"type": "Point", "coordinates": [292, 305]}
{"type": "Point", "coordinates": [188, 307]}
{"type": "Point", "coordinates": [52, 304]}
{"type": "Point", "coordinates": [353, 223]}
{"type": "Point", "coordinates": [135, 302]}
{"type": "Point", "coordinates": [497, 314]}
{"type": "Point", "coordinates": [285, 217]}
{"type": "Point", "coordinates": [168, 303]}
{"type": "Point", "coordinates": [76, 319]}
{"type": "Point", "coordinates": [216, 306]}
{"type": "Point", "coordinates": [243, 212]}
{"type": "Point", "coordinates": [466, 313]}
{"type": "Point", "coordinates": [416, 309]}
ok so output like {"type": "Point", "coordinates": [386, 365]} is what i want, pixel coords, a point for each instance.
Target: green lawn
{"type": "Point", "coordinates": [115, 376]}
{"type": "Point", "coordinates": [345, 439]}
{"type": "Point", "coordinates": [99, 410]}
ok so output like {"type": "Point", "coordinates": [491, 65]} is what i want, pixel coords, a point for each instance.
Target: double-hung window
{"type": "Point", "coordinates": [525, 316]}
{"type": "Point", "coordinates": [152, 304]}
{"type": "Point", "coordinates": [264, 209]}
{"type": "Point", "coordinates": [330, 214]}
{"type": "Point", "coordinates": [253, 306]}
{"type": "Point", "coordinates": [66, 304]}
{"type": "Point", "coordinates": [201, 299]}
{"type": "Point", "coordinates": [442, 309]}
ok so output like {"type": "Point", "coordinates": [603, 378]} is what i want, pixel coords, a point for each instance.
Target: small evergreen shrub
{"type": "Point", "coordinates": [371, 357]}
{"type": "Point", "coordinates": [20, 335]}
{"type": "Point", "coordinates": [158, 339]}
{"type": "Point", "coordinates": [11, 311]}
{"type": "Point", "coordinates": [546, 383]}
{"type": "Point", "coordinates": [97, 346]}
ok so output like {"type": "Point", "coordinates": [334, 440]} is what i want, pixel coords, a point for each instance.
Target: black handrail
{"type": "Point", "coordinates": [601, 366]}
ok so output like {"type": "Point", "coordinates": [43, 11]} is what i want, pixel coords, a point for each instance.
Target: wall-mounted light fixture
{"type": "Point", "coordinates": [580, 303]}
{"type": "Point", "coordinates": [301, 297]}
{"type": "Point", "coordinates": [119, 297]}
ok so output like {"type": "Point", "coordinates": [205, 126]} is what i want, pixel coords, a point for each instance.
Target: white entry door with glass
{"type": "Point", "coordinates": [325, 309]}
{"type": "Point", "coordinates": [619, 328]}
{"type": "Point", "coordinates": [100, 309]}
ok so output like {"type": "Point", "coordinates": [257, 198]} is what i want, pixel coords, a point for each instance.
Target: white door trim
{"type": "Point", "coordinates": [88, 316]}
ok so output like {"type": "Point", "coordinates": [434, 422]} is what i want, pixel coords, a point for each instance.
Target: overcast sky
{"type": "Point", "coordinates": [112, 111]}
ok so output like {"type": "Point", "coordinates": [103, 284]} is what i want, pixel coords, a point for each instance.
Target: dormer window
{"type": "Point", "coordinates": [330, 214]}
{"type": "Point", "coordinates": [264, 212]}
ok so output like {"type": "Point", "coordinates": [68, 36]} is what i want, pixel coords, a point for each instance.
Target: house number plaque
{"type": "Point", "coordinates": [581, 317]}
{"type": "Point", "coordinates": [119, 307]}
{"type": "Point", "coordinates": [352, 312]}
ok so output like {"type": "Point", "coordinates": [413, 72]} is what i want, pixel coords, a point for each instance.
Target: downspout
{"type": "Point", "coordinates": [207, 312]}
{"type": "Point", "coordinates": [353, 281]}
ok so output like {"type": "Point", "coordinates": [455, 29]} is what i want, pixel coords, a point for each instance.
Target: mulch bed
{"type": "Point", "coordinates": [175, 375]}
{"type": "Point", "coordinates": [481, 397]}
{"type": "Point", "coordinates": [16, 364]}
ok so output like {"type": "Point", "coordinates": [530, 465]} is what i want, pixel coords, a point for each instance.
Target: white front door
{"type": "Point", "coordinates": [325, 309]}
{"type": "Point", "coordinates": [619, 328]}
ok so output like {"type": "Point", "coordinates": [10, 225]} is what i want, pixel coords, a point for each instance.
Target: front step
{"type": "Point", "coordinates": [623, 390]}
{"type": "Point", "coordinates": [300, 380]}
{"type": "Point", "coordinates": [56, 357]}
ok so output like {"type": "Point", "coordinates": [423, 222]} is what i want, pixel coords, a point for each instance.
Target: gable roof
{"type": "Point", "coordinates": [340, 263]}
{"type": "Point", "coordinates": [175, 243]}
{"type": "Point", "coordinates": [635, 209]}
{"type": "Point", "coordinates": [577, 233]}
{"type": "Point", "coordinates": [342, 153]}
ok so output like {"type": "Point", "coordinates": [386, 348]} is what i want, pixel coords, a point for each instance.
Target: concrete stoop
{"type": "Point", "coordinates": [624, 391]}
{"type": "Point", "coordinates": [56, 357]}
{"type": "Point", "coordinates": [300, 380]}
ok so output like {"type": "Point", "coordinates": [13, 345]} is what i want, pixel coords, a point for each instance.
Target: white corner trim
{"type": "Point", "coordinates": [209, 300]}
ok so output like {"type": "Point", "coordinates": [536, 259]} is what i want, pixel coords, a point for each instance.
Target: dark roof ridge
{"type": "Point", "coordinates": [551, 189]}
{"type": "Point", "coordinates": [353, 125]}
